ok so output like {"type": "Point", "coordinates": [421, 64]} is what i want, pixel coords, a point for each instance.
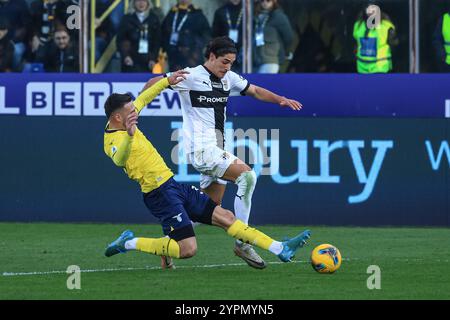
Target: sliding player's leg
{"type": "Point", "coordinates": [181, 244]}
{"type": "Point", "coordinates": [236, 228]}
{"type": "Point", "coordinates": [166, 204]}
{"type": "Point", "coordinates": [201, 208]}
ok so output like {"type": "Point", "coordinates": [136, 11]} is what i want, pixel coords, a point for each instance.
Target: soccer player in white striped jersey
{"type": "Point", "coordinates": [204, 96]}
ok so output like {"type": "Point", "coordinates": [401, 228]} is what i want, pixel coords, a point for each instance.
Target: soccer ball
{"type": "Point", "coordinates": [326, 258]}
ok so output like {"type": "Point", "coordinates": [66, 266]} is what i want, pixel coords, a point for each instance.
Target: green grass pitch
{"type": "Point", "coordinates": [414, 264]}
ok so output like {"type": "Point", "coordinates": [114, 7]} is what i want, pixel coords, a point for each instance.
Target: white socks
{"type": "Point", "coordinates": [131, 244]}
{"type": "Point", "coordinates": [276, 247]}
{"type": "Point", "coordinates": [246, 183]}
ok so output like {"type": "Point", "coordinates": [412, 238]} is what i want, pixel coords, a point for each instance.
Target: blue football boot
{"type": "Point", "coordinates": [118, 246]}
{"type": "Point", "coordinates": [292, 245]}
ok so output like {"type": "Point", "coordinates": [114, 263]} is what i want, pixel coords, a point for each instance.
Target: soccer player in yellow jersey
{"type": "Point", "coordinates": [174, 204]}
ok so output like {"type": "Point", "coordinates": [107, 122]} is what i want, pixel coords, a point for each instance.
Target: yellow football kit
{"type": "Point", "coordinates": [143, 164]}
{"type": "Point", "coordinates": [140, 160]}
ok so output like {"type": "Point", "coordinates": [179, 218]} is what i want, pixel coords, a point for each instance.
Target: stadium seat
{"type": "Point", "coordinates": [33, 67]}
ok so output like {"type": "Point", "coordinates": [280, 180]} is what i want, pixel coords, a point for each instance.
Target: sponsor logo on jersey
{"type": "Point", "coordinates": [216, 99]}
{"type": "Point", "coordinates": [212, 99]}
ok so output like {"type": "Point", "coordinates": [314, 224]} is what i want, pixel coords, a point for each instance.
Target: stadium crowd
{"type": "Point", "coordinates": [34, 37]}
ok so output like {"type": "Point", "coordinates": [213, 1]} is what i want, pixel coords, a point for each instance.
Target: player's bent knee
{"type": "Point", "coordinates": [223, 218]}
{"type": "Point", "coordinates": [247, 168]}
{"type": "Point", "coordinates": [252, 177]}
{"type": "Point", "coordinates": [188, 253]}
{"type": "Point", "coordinates": [246, 181]}
{"type": "Point", "coordinates": [229, 218]}
{"type": "Point", "coordinates": [188, 248]}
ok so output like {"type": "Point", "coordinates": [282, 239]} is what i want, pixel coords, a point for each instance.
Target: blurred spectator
{"type": "Point", "coordinates": [185, 33]}
{"type": "Point", "coordinates": [138, 39]}
{"type": "Point", "coordinates": [311, 55]}
{"type": "Point", "coordinates": [273, 37]}
{"type": "Point", "coordinates": [61, 54]}
{"type": "Point", "coordinates": [441, 41]}
{"type": "Point", "coordinates": [103, 31]}
{"type": "Point", "coordinates": [18, 17]}
{"type": "Point", "coordinates": [228, 22]}
{"type": "Point", "coordinates": [336, 32]}
{"type": "Point", "coordinates": [64, 16]}
{"type": "Point", "coordinates": [312, 52]}
{"type": "Point", "coordinates": [6, 48]}
{"type": "Point", "coordinates": [46, 17]}
{"type": "Point", "coordinates": [374, 53]}
{"type": "Point", "coordinates": [115, 16]}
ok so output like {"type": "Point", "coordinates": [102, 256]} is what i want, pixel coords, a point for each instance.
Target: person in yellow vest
{"type": "Point", "coordinates": [374, 44]}
{"type": "Point", "coordinates": [441, 41]}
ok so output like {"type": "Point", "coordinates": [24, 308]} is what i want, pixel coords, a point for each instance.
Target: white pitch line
{"type": "Point", "coordinates": [40, 273]}
{"type": "Point", "coordinates": [219, 265]}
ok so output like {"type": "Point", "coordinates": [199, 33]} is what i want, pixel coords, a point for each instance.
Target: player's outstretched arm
{"type": "Point", "coordinates": [151, 82]}
{"type": "Point", "coordinates": [154, 88]}
{"type": "Point", "coordinates": [268, 96]}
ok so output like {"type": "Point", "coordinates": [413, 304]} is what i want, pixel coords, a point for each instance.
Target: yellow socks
{"type": "Point", "coordinates": [160, 247]}
{"type": "Point", "coordinates": [243, 232]}
{"type": "Point", "coordinates": [238, 230]}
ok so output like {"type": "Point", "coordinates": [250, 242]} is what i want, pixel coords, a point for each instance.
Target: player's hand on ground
{"type": "Point", "coordinates": [293, 104]}
{"type": "Point", "coordinates": [167, 263]}
{"type": "Point", "coordinates": [177, 77]}
{"type": "Point", "coordinates": [131, 122]}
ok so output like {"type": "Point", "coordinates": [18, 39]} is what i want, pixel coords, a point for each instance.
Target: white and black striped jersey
{"type": "Point", "coordinates": [204, 100]}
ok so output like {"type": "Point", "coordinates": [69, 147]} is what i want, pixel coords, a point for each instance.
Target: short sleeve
{"type": "Point", "coordinates": [183, 85]}
{"type": "Point", "coordinates": [238, 84]}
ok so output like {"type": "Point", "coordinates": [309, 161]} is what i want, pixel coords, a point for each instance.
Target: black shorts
{"type": "Point", "coordinates": [176, 205]}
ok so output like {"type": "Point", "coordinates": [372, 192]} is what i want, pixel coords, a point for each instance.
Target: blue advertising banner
{"type": "Point", "coordinates": [323, 95]}
{"type": "Point", "coordinates": [347, 171]}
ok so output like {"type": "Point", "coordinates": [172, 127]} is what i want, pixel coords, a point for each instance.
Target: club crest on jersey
{"type": "Point", "coordinates": [217, 85]}
{"type": "Point", "coordinates": [178, 217]}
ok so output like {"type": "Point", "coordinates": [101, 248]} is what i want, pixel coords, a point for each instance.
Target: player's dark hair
{"type": "Point", "coordinates": [115, 102]}
{"type": "Point", "coordinates": [220, 46]}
